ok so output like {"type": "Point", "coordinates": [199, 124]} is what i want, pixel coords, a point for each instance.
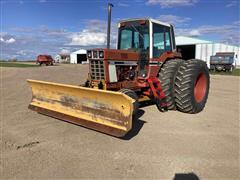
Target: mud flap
{"type": "Point", "coordinates": [105, 111]}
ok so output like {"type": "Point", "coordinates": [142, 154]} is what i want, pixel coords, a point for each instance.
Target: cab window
{"type": "Point", "coordinates": [161, 40]}
{"type": "Point", "coordinates": [134, 36]}
{"type": "Point", "coordinates": [126, 39]}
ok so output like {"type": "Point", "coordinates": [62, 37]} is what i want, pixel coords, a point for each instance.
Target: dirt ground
{"type": "Point", "coordinates": [163, 145]}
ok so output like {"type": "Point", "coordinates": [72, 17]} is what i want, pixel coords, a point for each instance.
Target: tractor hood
{"type": "Point", "coordinates": [113, 54]}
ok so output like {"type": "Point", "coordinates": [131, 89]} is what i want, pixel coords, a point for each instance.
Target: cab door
{"type": "Point", "coordinates": [162, 41]}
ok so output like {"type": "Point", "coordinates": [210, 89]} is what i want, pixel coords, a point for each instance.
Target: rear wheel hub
{"type": "Point", "coordinates": [200, 87]}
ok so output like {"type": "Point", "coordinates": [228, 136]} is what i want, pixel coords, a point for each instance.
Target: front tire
{"type": "Point", "coordinates": [192, 86]}
{"type": "Point", "coordinates": [132, 95]}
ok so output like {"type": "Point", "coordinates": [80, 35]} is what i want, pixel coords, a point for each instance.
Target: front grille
{"type": "Point", "coordinates": [97, 69]}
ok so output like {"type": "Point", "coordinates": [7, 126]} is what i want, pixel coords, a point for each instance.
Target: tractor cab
{"type": "Point", "coordinates": [151, 38]}
{"type": "Point", "coordinates": [146, 35]}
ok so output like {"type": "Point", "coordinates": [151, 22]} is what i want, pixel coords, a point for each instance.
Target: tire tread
{"type": "Point", "coordinates": [167, 76]}
{"type": "Point", "coordinates": [183, 86]}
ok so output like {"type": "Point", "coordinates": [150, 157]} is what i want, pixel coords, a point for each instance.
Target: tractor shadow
{"type": "Point", "coordinates": [136, 126]}
{"type": "Point", "coordinates": [147, 103]}
{"type": "Point", "coordinates": [187, 176]}
{"type": "Point", "coordinates": [137, 122]}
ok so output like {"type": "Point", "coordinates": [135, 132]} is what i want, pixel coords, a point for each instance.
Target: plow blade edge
{"type": "Point", "coordinates": [105, 111]}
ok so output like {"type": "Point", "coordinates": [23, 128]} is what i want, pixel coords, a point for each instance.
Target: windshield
{"type": "Point", "coordinates": [134, 36]}
{"type": "Point", "coordinates": [216, 58]}
{"type": "Point", "coordinates": [221, 58]}
{"type": "Point", "coordinates": [224, 59]}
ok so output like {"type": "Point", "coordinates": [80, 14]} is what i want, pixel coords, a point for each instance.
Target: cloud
{"type": "Point", "coordinates": [52, 32]}
{"type": "Point", "coordinates": [232, 4]}
{"type": "Point", "coordinates": [24, 52]}
{"type": "Point", "coordinates": [237, 23]}
{"type": "Point", "coordinates": [29, 42]}
{"type": "Point", "coordinates": [94, 34]}
{"type": "Point", "coordinates": [3, 33]}
{"type": "Point", "coordinates": [27, 45]}
{"type": "Point", "coordinates": [228, 33]}
{"type": "Point", "coordinates": [88, 38]}
{"type": "Point", "coordinates": [194, 33]}
{"type": "Point", "coordinates": [173, 19]}
{"type": "Point", "coordinates": [172, 3]}
{"type": "Point", "coordinates": [8, 41]}
{"type": "Point", "coordinates": [11, 40]}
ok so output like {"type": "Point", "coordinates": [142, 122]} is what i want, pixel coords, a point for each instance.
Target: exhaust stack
{"type": "Point", "coordinates": [109, 24]}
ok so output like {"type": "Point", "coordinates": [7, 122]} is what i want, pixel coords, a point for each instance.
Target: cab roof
{"type": "Point", "coordinates": [146, 19]}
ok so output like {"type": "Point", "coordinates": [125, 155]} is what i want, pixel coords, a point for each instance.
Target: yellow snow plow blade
{"type": "Point", "coordinates": [105, 111]}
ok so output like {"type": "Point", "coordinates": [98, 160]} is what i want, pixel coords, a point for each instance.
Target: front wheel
{"type": "Point", "coordinates": [132, 95]}
{"type": "Point", "coordinates": [192, 86]}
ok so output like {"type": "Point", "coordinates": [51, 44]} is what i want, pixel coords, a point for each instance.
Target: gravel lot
{"type": "Point", "coordinates": [163, 145]}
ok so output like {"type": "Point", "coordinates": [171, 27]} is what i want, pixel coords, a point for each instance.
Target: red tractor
{"type": "Point", "coordinates": [145, 66]}
{"type": "Point", "coordinates": [45, 59]}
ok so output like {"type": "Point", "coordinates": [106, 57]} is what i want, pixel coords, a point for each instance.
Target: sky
{"type": "Point", "coordinates": [32, 27]}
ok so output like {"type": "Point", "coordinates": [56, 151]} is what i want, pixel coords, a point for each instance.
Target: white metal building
{"type": "Point", "coordinates": [202, 49]}
{"type": "Point", "coordinates": [62, 58]}
{"type": "Point", "coordinates": [78, 57]}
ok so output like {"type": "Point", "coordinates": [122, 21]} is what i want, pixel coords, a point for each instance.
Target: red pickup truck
{"type": "Point", "coordinates": [45, 59]}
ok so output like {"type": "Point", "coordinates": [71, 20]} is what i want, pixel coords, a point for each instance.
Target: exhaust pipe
{"type": "Point", "coordinates": [109, 24]}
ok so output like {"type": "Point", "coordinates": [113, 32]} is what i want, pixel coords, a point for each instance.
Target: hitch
{"type": "Point", "coordinates": [158, 94]}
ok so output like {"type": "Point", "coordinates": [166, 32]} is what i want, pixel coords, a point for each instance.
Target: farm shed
{"type": "Point", "coordinates": [202, 49]}
{"type": "Point", "coordinates": [62, 58]}
{"type": "Point", "coordinates": [78, 57]}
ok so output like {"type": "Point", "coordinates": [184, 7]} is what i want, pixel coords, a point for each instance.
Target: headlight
{"type": "Point", "coordinates": [95, 54]}
{"type": "Point", "coordinates": [89, 54]}
{"type": "Point", "coordinates": [101, 54]}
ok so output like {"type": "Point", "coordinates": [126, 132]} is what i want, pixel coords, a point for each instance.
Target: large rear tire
{"type": "Point", "coordinates": [167, 77]}
{"type": "Point", "coordinates": [132, 95]}
{"type": "Point", "coordinates": [192, 86]}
